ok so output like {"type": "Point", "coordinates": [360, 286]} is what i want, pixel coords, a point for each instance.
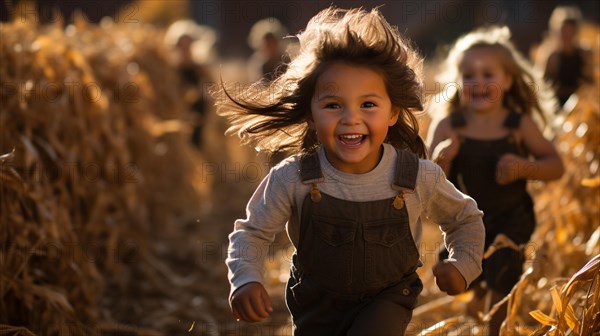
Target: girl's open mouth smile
{"type": "Point", "coordinates": [352, 140]}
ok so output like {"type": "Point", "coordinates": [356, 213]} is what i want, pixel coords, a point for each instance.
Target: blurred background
{"type": "Point", "coordinates": [118, 186]}
{"type": "Point", "coordinates": [429, 23]}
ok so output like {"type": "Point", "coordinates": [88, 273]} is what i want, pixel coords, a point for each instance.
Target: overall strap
{"type": "Point", "coordinates": [405, 177]}
{"type": "Point", "coordinates": [513, 120]}
{"type": "Point", "coordinates": [407, 169]}
{"type": "Point", "coordinates": [311, 174]}
{"type": "Point", "coordinates": [457, 120]}
{"type": "Point", "coordinates": [512, 123]}
{"type": "Point", "coordinates": [310, 167]}
{"type": "Point", "coordinates": [458, 123]}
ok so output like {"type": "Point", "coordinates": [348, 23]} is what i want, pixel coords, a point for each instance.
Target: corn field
{"type": "Point", "coordinates": [111, 223]}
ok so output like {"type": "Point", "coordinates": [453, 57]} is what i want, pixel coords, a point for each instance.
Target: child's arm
{"type": "Point", "coordinates": [546, 165]}
{"type": "Point", "coordinates": [443, 144]}
{"type": "Point", "coordinates": [460, 221]}
{"type": "Point", "coordinates": [266, 214]}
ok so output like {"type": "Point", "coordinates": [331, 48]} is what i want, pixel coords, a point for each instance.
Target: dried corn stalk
{"type": "Point", "coordinates": [94, 168]}
{"type": "Point", "coordinates": [585, 286]}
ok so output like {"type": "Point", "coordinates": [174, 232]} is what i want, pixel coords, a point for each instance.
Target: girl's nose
{"type": "Point", "coordinates": [473, 84]}
{"type": "Point", "coordinates": [351, 116]}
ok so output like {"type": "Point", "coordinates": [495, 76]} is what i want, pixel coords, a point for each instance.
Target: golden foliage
{"type": "Point", "coordinates": [94, 166]}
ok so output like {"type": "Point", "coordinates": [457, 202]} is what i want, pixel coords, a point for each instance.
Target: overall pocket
{"type": "Point", "coordinates": [331, 252]}
{"type": "Point", "coordinates": [390, 250]}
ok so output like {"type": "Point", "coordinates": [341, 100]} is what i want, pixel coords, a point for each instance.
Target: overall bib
{"type": "Point", "coordinates": [353, 272]}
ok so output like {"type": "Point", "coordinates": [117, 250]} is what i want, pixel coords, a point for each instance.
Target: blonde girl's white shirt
{"type": "Point", "coordinates": [277, 204]}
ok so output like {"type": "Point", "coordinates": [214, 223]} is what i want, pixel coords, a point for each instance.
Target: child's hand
{"type": "Point", "coordinates": [448, 278]}
{"type": "Point", "coordinates": [446, 150]}
{"type": "Point", "coordinates": [510, 168]}
{"type": "Point", "coordinates": [251, 302]}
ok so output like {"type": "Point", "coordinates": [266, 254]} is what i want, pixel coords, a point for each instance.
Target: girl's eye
{"type": "Point", "coordinates": [368, 104]}
{"type": "Point", "coordinates": [332, 106]}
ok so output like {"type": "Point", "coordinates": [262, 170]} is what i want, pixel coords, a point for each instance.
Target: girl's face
{"type": "Point", "coordinates": [568, 35]}
{"type": "Point", "coordinates": [483, 80]}
{"type": "Point", "coordinates": [351, 113]}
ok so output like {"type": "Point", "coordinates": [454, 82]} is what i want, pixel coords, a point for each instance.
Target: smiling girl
{"type": "Point", "coordinates": [489, 145]}
{"type": "Point", "coordinates": [354, 194]}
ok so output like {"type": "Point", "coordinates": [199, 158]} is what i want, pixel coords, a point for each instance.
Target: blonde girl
{"type": "Point", "coordinates": [489, 145]}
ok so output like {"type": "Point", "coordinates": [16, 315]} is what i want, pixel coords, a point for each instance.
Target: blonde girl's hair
{"type": "Point", "coordinates": [275, 116]}
{"type": "Point", "coordinates": [529, 93]}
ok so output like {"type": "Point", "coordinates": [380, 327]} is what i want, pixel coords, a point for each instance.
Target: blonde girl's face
{"type": "Point", "coordinates": [351, 112]}
{"type": "Point", "coordinates": [483, 80]}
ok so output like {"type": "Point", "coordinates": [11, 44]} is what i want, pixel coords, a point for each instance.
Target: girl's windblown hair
{"type": "Point", "coordinates": [529, 92]}
{"type": "Point", "coordinates": [275, 117]}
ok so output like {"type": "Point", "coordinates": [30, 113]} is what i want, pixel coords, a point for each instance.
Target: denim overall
{"type": "Point", "coordinates": [353, 272]}
{"type": "Point", "coordinates": [507, 209]}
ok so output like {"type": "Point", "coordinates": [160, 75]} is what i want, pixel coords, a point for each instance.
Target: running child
{"type": "Point", "coordinates": [353, 195]}
{"type": "Point", "coordinates": [489, 145]}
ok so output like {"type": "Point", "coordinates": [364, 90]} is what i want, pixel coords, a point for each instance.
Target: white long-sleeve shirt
{"type": "Point", "coordinates": [277, 203]}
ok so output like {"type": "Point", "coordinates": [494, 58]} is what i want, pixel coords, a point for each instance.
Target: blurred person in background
{"type": "Point", "coordinates": [268, 61]}
{"type": "Point", "coordinates": [488, 144]}
{"type": "Point", "coordinates": [270, 58]}
{"type": "Point", "coordinates": [193, 47]}
{"type": "Point", "coordinates": [569, 64]}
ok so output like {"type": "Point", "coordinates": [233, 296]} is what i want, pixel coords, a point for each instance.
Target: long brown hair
{"type": "Point", "coordinates": [275, 116]}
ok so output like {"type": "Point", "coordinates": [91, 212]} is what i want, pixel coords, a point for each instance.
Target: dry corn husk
{"type": "Point", "coordinates": [586, 285]}
{"type": "Point", "coordinates": [94, 165]}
